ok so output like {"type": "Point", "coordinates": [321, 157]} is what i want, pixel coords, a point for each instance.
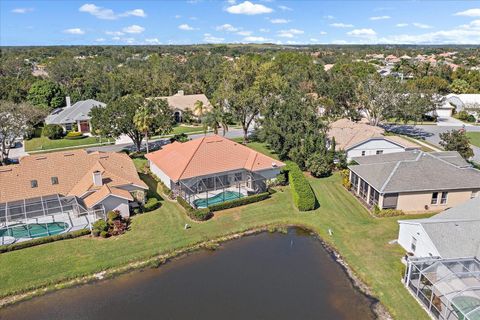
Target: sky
{"type": "Point", "coordinates": [235, 21]}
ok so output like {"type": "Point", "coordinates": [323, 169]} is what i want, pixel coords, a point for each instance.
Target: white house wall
{"type": "Point", "coordinates": [424, 246]}
{"type": "Point", "coordinates": [160, 174]}
{"type": "Point", "coordinates": [372, 146]}
{"type": "Point", "coordinates": [269, 173]}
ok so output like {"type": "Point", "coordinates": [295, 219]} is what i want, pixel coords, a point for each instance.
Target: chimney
{"type": "Point", "coordinates": [68, 101]}
{"type": "Point", "coordinates": [180, 93]}
{"type": "Point", "coordinates": [97, 178]}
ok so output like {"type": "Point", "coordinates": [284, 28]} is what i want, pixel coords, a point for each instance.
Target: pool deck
{"type": "Point", "coordinates": [209, 194]}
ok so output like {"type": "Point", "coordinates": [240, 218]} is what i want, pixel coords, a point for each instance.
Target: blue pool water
{"type": "Point", "coordinates": [218, 198]}
{"type": "Point", "coordinates": [34, 230]}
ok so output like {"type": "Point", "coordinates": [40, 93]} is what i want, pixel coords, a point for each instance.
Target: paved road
{"type": "Point", "coordinates": [153, 145]}
{"type": "Point", "coordinates": [431, 133]}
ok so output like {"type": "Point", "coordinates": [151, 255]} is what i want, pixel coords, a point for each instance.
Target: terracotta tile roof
{"type": "Point", "coordinates": [73, 170]}
{"type": "Point", "coordinates": [349, 134]}
{"type": "Point", "coordinates": [208, 155]}
{"type": "Point", "coordinates": [105, 191]}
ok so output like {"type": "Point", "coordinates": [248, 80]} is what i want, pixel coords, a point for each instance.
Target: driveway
{"type": "Point", "coordinates": [431, 133]}
{"type": "Point", "coordinates": [451, 122]}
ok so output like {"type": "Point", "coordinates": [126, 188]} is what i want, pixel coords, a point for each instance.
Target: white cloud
{"type": "Point", "coordinates": [380, 18]}
{"type": "Point", "coordinates": [100, 40]}
{"type": "Point", "coordinates": [341, 25]}
{"type": "Point", "coordinates": [421, 25]}
{"type": "Point", "coordinates": [362, 33]}
{"type": "Point", "coordinates": [109, 14]}
{"type": "Point", "coordinates": [74, 31]}
{"type": "Point", "coordinates": [244, 33]}
{"type": "Point", "coordinates": [314, 40]}
{"type": "Point", "coordinates": [177, 16]}
{"type": "Point", "coordinates": [185, 27]}
{"type": "Point", "coordinates": [231, 1]}
{"type": "Point", "coordinates": [322, 33]}
{"type": "Point", "coordinates": [285, 8]}
{"type": "Point", "coordinates": [264, 30]}
{"type": "Point", "coordinates": [114, 33]}
{"type": "Point", "coordinates": [329, 17]}
{"type": "Point", "coordinates": [226, 27]}
{"type": "Point", "coordinates": [249, 8]}
{"type": "Point", "coordinates": [152, 41]}
{"type": "Point", "coordinates": [116, 38]}
{"type": "Point", "coordinates": [401, 25]}
{"type": "Point", "coordinates": [469, 13]}
{"type": "Point", "coordinates": [255, 39]}
{"type": "Point", "coordinates": [133, 29]}
{"type": "Point", "coordinates": [279, 21]}
{"type": "Point", "coordinates": [290, 33]}
{"type": "Point", "coordinates": [22, 10]}
{"type": "Point", "coordinates": [207, 37]}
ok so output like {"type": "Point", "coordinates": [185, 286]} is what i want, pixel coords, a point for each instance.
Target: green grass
{"type": "Point", "coordinates": [474, 138]}
{"type": "Point", "coordinates": [187, 129]}
{"type": "Point", "coordinates": [43, 143]}
{"type": "Point", "coordinates": [423, 147]}
{"type": "Point", "coordinates": [361, 239]}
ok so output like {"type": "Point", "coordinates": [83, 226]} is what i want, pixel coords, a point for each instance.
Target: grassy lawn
{"type": "Point", "coordinates": [474, 138]}
{"type": "Point", "coordinates": [423, 147]}
{"type": "Point", "coordinates": [186, 129]}
{"type": "Point", "coordinates": [361, 239]}
{"type": "Point", "coordinates": [43, 143]}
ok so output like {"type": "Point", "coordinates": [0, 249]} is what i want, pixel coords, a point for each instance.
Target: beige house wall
{"type": "Point", "coordinates": [416, 201]}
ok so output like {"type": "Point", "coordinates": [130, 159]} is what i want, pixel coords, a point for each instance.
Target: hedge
{"type": "Point", "coordinates": [151, 204]}
{"type": "Point", "coordinates": [239, 202]}
{"type": "Point", "coordinates": [303, 195]}
{"type": "Point", "coordinates": [38, 241]}
{"type": "Point", "coordinates": [387, 212]}
{"type": "Point", "coordinates": [74, 135]}
{"type": "Point", "coordinates": [195, 214]}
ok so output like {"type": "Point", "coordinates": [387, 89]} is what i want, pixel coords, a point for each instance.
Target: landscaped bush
{"type": "Point", "coordinates": [463, 115]}
{"type": "Point", "coordinates": [346, 179]}
{"type": "Point", "coordinates": [303, 195]}
{"type": "Point", "coordinates": [52, 131]}
{"type": "Point", "coordinates": [100, 225]}
{"type": "Point", "coordinates": [471, 118]}
{"type": "Point", "coordinates": [182, 137]}
{"type": "Point", "coordinates": [387, 212]}
{"type": "Point", "coordinates": [112, 215]}
{"type": "Point", "coordinates": [38, 241]}
{"type": "Point", "coordinates": [151, 204]}
{"type": "Point", "coordinates": [195, 214]}
{"type": "Point", "coordinates": [115, 225]}
{"type": "Point", "coordinates": [74, 135]}
{"type": "Point", "coordinates": [239, 202]}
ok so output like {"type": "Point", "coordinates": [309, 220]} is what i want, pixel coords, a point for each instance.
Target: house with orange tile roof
{"type": "Point", "coordinates": [181, 102]}
{"type": "Point", "coordinates": [212, 169]}
{"type": "Point", "coordinates": [72, 187]}
{"type": "Point", "coordinates": [361, 139]}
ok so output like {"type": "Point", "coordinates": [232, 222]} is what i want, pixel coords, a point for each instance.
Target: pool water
{"type": "Point", "coordinates": [34, 230]}
{"type": "Point", "coordinates": [218, 198]}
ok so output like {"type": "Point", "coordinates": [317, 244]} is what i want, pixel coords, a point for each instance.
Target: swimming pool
{"type": "Point", "coordinates": [34, 230]}
{"type": "Point", "coordinates": [218, 198]}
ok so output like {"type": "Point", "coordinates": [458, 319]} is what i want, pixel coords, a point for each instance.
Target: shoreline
{"type": "Point", "coordinates": [156, 261]}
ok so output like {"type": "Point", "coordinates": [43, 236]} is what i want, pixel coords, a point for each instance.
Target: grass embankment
{"type": "Point", "coordinates": [43, 143]}
{"type": "Point", "coordinates": [361, 239]}
{"type": "Point", "coordinates": [474, 138]}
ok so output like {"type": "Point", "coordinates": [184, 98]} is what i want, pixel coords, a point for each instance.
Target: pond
{"type": "Point", "coordinates": [265, 276]}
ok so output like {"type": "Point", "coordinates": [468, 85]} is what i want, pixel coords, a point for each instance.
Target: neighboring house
{"type": "Point", "coordinates": [361, 139]}
{"type": "Point", "coordinates": [77, 114]}
{"type": "Point", "coordinates": [415, 181]}
{"type": "Point", "coordinates": [181, 102]}
{"type": "Point", "coordinates": [71, 187]}
{"type": "Point", "coordinates": [459, 102]}
{"type": "Point", "coordinates": [453, 233]}
{"type": "Point", "coordinates": [212, 169]}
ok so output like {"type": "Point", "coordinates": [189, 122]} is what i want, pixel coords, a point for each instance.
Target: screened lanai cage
{"type": "Point", "coordinates": [44, 216]}
{"type": "Point", "coordinates": [204, 191]}
{"type": "Point", "coordinates": [448, 288]}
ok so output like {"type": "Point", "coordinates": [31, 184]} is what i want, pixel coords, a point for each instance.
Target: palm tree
{"type": "Point", "coordinates": [143, 120]}
{"type": "Point", "coordinates": [199, 109]}
{"type": "Point", "coordinates": [216, 118]}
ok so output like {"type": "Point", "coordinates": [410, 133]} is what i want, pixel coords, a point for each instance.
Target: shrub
{"type": "Point", "coordinates": [387, 212]}
{"type": "Point", "coordinates": [182, 137]}
{"type": "Point", "coordinates": [52, 131]}
{"type": "Point", "coordinates": [303, 195]}
{"type": "Point", "coordinates": [112, 215]}
{"type": "Point", "coordinates": [346, 179]}
{"type": "Point", "coordinates": [95, 232]}
{"type": "Point", "coordinates": [195, 214]}
{"type": "Point", "coordinates": [104, 234]}
{"type": "Point", "coordinates": [73, 135]}
{"type": "Point", "coordinates": [39, 241]}
{"type": "Point", "coordinates": [239, 202]}
{"type": "Point", "coordinates": [151, 204]}
{"type": "Point", "coordinates": [100, 225]}
{"type": "Point", "coordinates": [463, 115]}
{"type": "Point", "coordinates": [471, 118]}
{"type": "Point", "coordinates": [319, 166]}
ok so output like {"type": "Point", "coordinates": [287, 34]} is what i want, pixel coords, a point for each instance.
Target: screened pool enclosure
{"type": "Point", "coordinates": [44, 216]}
{"type": "Point", "coordinates": [204, 191]}
{"type": "Point", "coordinates": [448, 288]}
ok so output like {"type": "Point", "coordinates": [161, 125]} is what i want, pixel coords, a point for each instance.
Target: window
{"type": "Point", "coordinates": [54, 180]}
{"type": "Point", "coordinates": [33, 183]}
{"type": "Point", "coordinates": [363, 153]}
{"type": "Point", "coordinates": [434, 198]}
{"type": "Point", "coordinates": [68, 127]}
{"type": "Point", "coordinates": [379, 151]}
{"type": "Point", "coordinates": [444, 198]}
{"type": "Point", "coordinates": [413, 245]}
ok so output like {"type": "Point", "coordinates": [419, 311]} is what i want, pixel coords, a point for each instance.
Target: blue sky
{"type": "Point", "coordinates": [201, 21]}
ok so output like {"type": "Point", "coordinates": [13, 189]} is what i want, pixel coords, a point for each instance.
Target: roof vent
{"type": "Point", "coordinates": [274, 164]}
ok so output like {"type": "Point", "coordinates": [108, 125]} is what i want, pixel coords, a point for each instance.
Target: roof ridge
{"type": "Point", "coordinates": [449, 163]}
{"type": "Point", "coordinates": [193, 154]}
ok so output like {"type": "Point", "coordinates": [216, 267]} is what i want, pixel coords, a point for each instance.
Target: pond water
{"type": "Point", "coordinates": [266, 276]}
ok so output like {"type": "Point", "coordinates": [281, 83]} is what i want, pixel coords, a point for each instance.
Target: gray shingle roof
{"type": "Point", "coordinates": [417, 171]}
{"type": "Point", "coordinates": [77, 112]}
